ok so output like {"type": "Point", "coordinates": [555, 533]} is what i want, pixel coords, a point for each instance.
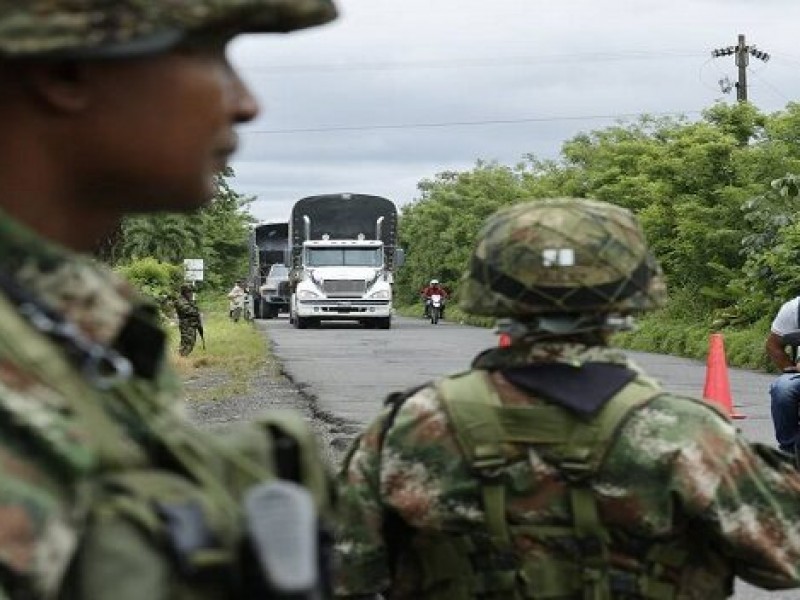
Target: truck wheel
{"type": "Point", "coordinates": [301, 322]}
{"type": "Point", "coordinates": [385, 323]}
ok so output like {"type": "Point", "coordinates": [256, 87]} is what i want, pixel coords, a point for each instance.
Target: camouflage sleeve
{"type": "Point", "coordinates": [361, 556]}
{"type": "Point", "coordinates": [187, 312]}
{"type": "Point", "coordinates": [38, 534]}
{"type": "Point", "coordinates": [745, 499]}
{"type": "Point", "coordinates": [416, 477]}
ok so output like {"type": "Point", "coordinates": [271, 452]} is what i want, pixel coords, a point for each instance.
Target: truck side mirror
{"type": "Point", "coordinates": [399, 257]}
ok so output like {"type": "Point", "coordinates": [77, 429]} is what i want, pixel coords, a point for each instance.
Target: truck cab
{"type": "Point", "coordinates": [343, 279]}
{"type": "Point", "coordinates": [343, 255]}
{"type": "Point", "coordinates": [274, 293]}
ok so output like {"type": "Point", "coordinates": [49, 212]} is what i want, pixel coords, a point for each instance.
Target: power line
{"type": "Point", "coordinates": [442, 124]}
{"type": "Point", "coordinates": [477, 62]}
{"type": "Point", "coordinates": [771, 86]}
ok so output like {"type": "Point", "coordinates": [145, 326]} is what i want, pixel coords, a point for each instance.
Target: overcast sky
{"type": "Point", "coordinates": [395, 91]}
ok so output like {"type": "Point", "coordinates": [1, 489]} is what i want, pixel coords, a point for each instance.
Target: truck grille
{"type": "Point", "coordinates": [345, 287]}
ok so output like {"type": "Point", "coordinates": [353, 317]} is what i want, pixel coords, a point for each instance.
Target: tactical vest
{"type": "Point", "coordinates": [161, 509]}
{"type": "Point", "coordinates": [483, 564]}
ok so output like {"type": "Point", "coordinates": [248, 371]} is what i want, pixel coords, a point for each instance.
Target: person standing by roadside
{"type": "Point", "coordinates": [236, 301]}
{"type": "Point", "coordinates": [110, 108]}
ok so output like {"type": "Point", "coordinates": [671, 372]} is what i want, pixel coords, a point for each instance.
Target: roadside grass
{"type": "Point", "coordinates": [233, 352]}
{"type": "Point", "coordinates": [744, 346]}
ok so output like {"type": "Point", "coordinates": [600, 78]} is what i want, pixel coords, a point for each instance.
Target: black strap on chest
{"type": "Point", "coordinates": [101, 365]}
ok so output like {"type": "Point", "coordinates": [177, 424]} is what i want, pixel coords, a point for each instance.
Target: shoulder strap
{"type": "Point", "coordinates": [31, 352]}
{"type": "Point", "coordinates": [490, 434]}
{"type": "Point", "coordinates": [470, 402]}
{"type": "Point", "coordinates": [485, 428]}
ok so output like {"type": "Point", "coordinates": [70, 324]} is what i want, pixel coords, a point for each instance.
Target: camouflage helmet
{"type": "Point", "coordinates": [124, 28]}
{"type": "Point", "coordinates": [560, 257]}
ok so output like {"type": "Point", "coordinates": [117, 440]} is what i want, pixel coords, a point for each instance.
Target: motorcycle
{"type": "Point", "coordinates": [435, 308]}
{"type": "Point", "coordinates": [247, 310]}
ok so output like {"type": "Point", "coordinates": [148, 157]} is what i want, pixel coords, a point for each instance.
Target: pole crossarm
{"type": "Point", "coordinates": [742, 53]}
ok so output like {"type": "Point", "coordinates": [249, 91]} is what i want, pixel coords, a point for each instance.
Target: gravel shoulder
{"type": "Point", "coordinates": [269, 389]}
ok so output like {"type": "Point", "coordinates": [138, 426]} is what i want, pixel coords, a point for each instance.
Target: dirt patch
{"type": "Point", "coordinates": [267, 389]}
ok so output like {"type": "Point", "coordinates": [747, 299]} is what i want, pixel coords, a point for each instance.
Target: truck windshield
{"type": "Point", "coordinates": [278, 271]}
{"type": "Point", "coordinates": [344, 257]}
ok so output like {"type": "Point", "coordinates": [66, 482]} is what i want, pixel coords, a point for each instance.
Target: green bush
{"type": "Point", "coordinates": [662, 333]}
{"type": "Point", "coordinates": [157, 280]}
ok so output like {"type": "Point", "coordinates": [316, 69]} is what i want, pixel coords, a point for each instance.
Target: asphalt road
{"type": "Point", "coordinates": [348, 371]}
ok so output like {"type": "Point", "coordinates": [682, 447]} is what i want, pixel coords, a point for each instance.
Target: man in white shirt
{"type": "Point", "coordinates": [236, 304]}
{"type": "Point", "coordinates": [785, 390]}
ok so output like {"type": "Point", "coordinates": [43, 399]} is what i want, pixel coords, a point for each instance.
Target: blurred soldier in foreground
{"type": "Point", "coordinates": [554, 468]}
{"type": "Point", "coordinates": [108, 108]}
{"type": "Point", "coordinates": [188, 319]}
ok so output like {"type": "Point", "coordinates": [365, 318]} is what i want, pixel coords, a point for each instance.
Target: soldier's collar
{"type": "Point", "coordinates": [105, 308]}
{"type": "Point", "coordinates": [569, 353]}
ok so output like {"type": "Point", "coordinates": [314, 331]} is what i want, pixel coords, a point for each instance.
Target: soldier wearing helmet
{"type": "Point", "coordinates": [109, 108]}
{"type": "Point", "coordinates": [554, 468]}
{"type": "Point", "coordinates": [189, 319]}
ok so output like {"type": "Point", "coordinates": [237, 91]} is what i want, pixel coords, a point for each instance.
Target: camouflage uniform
{"type": "Point", "coordinates": [678, 471]}
{"type": "Point", "coordinates": [674, 503]}
{"type": "Point", "coordinates": [105, 489]}
{"type": "Point", "coordinates": [188, 323]}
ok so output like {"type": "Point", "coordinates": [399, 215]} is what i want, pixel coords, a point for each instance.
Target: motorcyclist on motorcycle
{"type": "Point", "coordinates": [429, 290]}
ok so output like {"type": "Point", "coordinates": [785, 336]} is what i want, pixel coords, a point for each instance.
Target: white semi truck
{"type": "Point", "coordinates": [343, 255]}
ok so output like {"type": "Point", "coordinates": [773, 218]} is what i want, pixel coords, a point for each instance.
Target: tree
{"type": "Point", "coordinates": [217, 233]}
{"type": "Point", "coordinates": [168, 238]}
{"type": "Point", "coordinates": [725, 238]}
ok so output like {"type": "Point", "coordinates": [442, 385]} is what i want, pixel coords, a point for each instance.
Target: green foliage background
{"type": "Point", "coordinates": [217, 233]}
{"type": "Point", "coordinates": [157, 280]}
{"type": "Point", "coordinates": [717, 198]}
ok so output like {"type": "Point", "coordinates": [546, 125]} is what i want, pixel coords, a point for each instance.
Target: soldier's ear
{"type": "Point", "coordinates": [59, 86]}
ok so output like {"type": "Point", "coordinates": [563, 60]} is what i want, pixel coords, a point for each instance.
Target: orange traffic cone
{"type": "Point", "coordinates": [718, 387]}
{"type": "Point", "coordinates": [504, 341]}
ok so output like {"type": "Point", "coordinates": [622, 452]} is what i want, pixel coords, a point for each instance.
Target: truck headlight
{"type": "Point", "coordinates": [306, 295]}
{"type": "Point", "coordinates": [381, 295]}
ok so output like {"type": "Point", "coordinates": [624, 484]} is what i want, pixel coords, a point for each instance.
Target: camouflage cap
{"type": "Point", "coordinates": [121, 28]}
{"type": "Point", "coordinates": [561, 256]}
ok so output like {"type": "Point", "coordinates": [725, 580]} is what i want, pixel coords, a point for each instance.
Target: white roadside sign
{"type": "Point", "coordinates": [193, 267]}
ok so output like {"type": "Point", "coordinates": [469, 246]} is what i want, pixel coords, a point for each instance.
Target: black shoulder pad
{"type": "Point", "coordinates": [396, 401]}
{"type": "Point", "coordinates": [399, 397]}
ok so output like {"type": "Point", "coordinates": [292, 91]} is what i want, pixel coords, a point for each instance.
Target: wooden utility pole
{"type": "Point", "coordinates": [742, 60]}
{"type": "Point", "coordinates": [742, 52]}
